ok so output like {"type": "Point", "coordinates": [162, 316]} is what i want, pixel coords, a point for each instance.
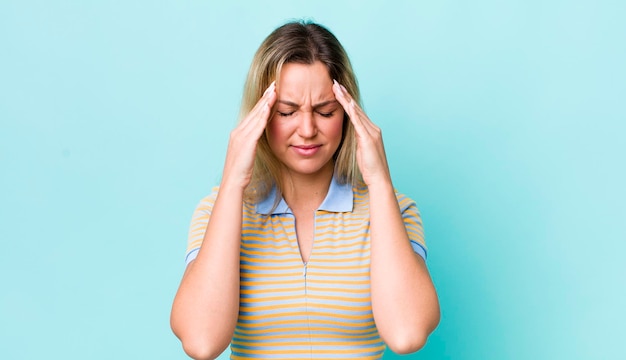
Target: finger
{"type": "Point", "coordinates": [257, 123]}
{"type": "Point", "coordinates": [346, 101]}
{"type": "Point", "coordinates": [259, 115]}
{"type": "Point", "coordinates": [261, 103]}
{"type": "Point", "coordinates": [365, 120]}
{"type": "Point", "coordinates": [350, 106]}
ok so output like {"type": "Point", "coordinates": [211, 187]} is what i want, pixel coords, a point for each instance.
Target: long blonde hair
{"type": "Point", "coordinates": [298, 42]}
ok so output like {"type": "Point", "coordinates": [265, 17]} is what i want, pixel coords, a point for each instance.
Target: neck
{"type": "Point", "coordinates": [306, 192]}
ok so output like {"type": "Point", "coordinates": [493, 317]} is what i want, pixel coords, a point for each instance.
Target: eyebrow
{"type": "Point", "coordinates": [293, 104]}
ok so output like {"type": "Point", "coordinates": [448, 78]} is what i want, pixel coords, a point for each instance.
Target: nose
{"type": "Point", "coordinates": [307, 127]}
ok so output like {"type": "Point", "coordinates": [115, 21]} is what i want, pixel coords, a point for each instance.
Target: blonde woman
{"type": "Point", "coordinates": [305, 250]}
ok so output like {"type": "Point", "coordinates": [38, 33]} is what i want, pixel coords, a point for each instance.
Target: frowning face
{"type": "Point", "coordinates": [305, 129]}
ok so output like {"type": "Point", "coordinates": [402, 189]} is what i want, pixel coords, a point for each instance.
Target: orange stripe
{"type": "Point", "coordinates": [268, 275]}
{"type": "Point", "coordinates": [252, 301]}
{"type": "Point", "coordinates": [335, 290]}
{"type": "Point", "coordinates": [338, 298]}
{"type": "Point", "coordinates": [308, 343]}
{"type": "Point", "coordinates": [241, 325]}
{"type": "Point", "coordinates": [345, 282]}
{"type": "Point", "coordinates": [371, 331]}
{"type": "Point", "coordinates": [337, 253]}
{"type": "Point", "coordinates": [332, 274]}
{"type": "Point", "coordinates": [308, 351]}
{"type": "Point", "coordinates": [273, 282]}
{"type": "Point", "coordinates": [310, 305]}
{"type": "Point", "coordinates": [354, 227]}
{"type": "Point", "coordinates": [267, 260]}
{"type": "Point", "coordinates": [267, 245]}
{"type": "Point", "coordinates": [299, 313]}
{"type": "Point", "coordinates": [270, 291]}
{"type": "Point", "coordinates": [338, 267]}
{"type": "Point", "coordinates": [362, 357]}
{"type": "Point", "coordinates": [254, 267]}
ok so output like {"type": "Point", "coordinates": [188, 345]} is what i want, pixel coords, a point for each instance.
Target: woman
{"type": "Point", "coordinates": [305, 250]}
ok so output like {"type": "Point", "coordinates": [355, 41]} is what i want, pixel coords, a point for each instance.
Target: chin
{"type": "Point", "coordinates": [308, 169]}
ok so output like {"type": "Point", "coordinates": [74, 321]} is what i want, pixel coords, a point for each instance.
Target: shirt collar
{"type": "Point", "coordinates": [339, 199]}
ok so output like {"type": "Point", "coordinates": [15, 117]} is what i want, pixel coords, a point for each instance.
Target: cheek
{"type": "Point", "coordinates": [277, 132]}
{"type": "Point", "coordinates": [274, 126]}
{"type": "Point", "coordinates": [335, 128]}
{"type": "Point", "coordinates": [270, 133]}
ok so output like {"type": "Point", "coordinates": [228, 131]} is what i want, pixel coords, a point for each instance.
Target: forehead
{"type": "Point", "coordinates": [301, 82]}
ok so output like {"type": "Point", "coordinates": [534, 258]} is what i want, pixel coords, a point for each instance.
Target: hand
{"type": "Point", "coordinates": [370, 152]}
{"type": "Point", "coordinates": [243, 141]}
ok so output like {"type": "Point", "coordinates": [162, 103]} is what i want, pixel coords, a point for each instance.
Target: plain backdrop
{"type": "Point", "coordinates": [504, 120]}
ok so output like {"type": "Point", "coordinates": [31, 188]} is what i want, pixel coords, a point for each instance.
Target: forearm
{"type": "Point", "coordinates": [205, 309]}
{"type": "Point", "coordinates": [404, 301]}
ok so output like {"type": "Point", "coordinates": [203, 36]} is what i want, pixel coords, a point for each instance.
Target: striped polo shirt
{"type": "Point", "coordinates": [315, 310]}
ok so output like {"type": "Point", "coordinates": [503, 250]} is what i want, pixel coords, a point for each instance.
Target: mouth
{"type": "Point", "coordinates": [306, 150]}
{"type": "Point", "coordinates": [306, 147]}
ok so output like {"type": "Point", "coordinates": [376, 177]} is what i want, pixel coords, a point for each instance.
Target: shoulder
{"type": "Point", "coordinates": [209, 200]}
{"type": "Point", "coordinates": [361, 197]}
{"type": "Point", "coordinates": [205, 205]}
{"type": "Point", "coordinates": [405, 202]}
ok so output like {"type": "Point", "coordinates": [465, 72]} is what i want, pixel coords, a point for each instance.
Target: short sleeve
{"type": "Point", "coordinates": [199, 222]}
{"type": "Point", "coordinates": [413, 224]}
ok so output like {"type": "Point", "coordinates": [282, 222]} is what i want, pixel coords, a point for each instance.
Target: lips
{"type": "Point", "coordinates": [306, 150]}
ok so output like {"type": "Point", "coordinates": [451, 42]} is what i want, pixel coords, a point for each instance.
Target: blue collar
{"type": "Point", "coordinates": [339, 199]}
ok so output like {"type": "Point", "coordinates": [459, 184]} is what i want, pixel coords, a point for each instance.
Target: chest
{"type": "Point", "coordinates": [281, 296]}
{"type": "Point", "coordinates": [339, 242]}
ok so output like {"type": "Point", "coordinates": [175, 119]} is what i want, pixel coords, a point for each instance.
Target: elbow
{"type": "Point", "coordinates": [202, 350]}
{"type": "Point", "coordinates": [199, 345]}
{"type": "Point", "coordinates": [405, 344]}
{"type": "Point", "coordinates": [410, 340]}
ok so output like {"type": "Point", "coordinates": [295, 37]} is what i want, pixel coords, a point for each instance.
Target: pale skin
{"type": "Point", "coordinates": [303, 116]}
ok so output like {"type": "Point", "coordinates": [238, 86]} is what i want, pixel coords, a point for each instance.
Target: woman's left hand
{"type": "Point", "coordinates": [370, 153]}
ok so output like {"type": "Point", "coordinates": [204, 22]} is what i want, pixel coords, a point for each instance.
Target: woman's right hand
{"type": "Point", "coordinates": [244, 139]}
{"type": "Point", "coordinates": [204, 313]}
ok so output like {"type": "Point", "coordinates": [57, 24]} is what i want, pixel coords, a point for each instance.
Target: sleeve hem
{"type": "Point", "coordinates": [419, 249]}
{"type": "Point", "coordinates": [191, 255]}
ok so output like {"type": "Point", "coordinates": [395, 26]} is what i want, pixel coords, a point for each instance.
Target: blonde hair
{"type": "Point", "coordinates": [298, 42]}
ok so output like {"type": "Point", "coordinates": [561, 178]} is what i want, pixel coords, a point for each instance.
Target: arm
{"type": "Point", "coordinates": [204, 313]}
{"type": "Point", "coordinates": [205, 308]}
{"type": "Point", "coordinates": [404, 300]}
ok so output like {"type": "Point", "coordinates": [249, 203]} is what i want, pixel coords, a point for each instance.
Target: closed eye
{"type": "Point", "coordinates": [285, 114]}
{"type": "Point", "coordinates": [326, 115]}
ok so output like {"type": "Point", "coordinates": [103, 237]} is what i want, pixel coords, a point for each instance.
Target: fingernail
{"type": "Point", "coordinates": [335, 82]}
{"type": "Point", "coordinates": [344, 89]}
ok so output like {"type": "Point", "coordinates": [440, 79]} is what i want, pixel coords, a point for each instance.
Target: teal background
{"type": "Point", "coordinates": [503, 119]}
